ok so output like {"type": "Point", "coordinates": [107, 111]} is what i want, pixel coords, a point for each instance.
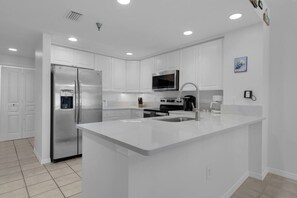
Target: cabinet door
{"type": "Point", "coordinates": [210, 65]}
{"type": "Point", "coordinates": [104, 64]}
{"type": "Point", "coordinates": [132, 76]}
{"type": "Point", "coordinates": [146, 70]}
{"type": "Point", "coordinates": [188, 66]}
{"type": "Point", "coordinates": [61, 55]}
{"type": "Point", "coordinates": [173, 60]}
{"type": "Point", "coordinates": [118, 75]}
{"type": "Point", "coordinates": [83, 59]}
{"type": "Point", "coordinates": [161, 63]}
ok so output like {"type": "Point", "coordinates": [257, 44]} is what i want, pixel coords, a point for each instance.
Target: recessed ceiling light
{"type": "Point", "coordinates": [12, 49]}
{"type": "Point", "coordinates": [124, 2]}
{"type": "Point", "coordinates": [72, 39]}
{"type": "Point", "coordinates": [235, 16]}
{"type": "Point", "coordinates": [188, 33]}
{"type": "Point", "coordinates": [129, 53]}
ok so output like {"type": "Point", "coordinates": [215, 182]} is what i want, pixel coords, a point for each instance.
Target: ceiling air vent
{"type": "Point", "coordinates": [99, 25]}
{"type": "Point", "coordinates": [74, 16]}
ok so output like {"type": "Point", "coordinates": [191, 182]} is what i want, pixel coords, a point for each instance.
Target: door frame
{"type": "Point", "coordinates": [11, 67]}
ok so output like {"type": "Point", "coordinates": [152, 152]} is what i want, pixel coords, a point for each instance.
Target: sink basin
{"type": "Point", "coordinates": [178, 119]}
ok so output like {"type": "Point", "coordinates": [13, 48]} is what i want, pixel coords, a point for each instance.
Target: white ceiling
{"type": "Point", "coordinates": [145, 27]}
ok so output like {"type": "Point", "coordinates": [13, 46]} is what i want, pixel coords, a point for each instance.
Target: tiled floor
{"type": "Point", "coordinates": [273, 186]}
{"type": "Point", "coordinates": [21, 175]}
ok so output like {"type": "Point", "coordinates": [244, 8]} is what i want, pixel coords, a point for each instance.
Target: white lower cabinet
{"type": "Point", "coordinates": [121, 114]}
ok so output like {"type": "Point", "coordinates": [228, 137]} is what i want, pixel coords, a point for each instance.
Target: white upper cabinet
{"type": "Point", "coordinates": [173, 60]}
{"type": "Point", "coordinates": [189, 67]}
{"type": "Point", "coordinates": [147, 68]}
{"type": "Point", "coordinates": [210, 65]}
{"type": "Point", "coordinates": [83, 59]}
{"type": "Point", "coordinates": [61, 55]}
{"type": "Point", "coordinates": [118, 75]}
{"type": "Point", "coordinates": [133, 76]}
{"type": "Point", "coordinates": [168, 61]}
{"type": "Point", "coordinates": [71, 57]}
{"type": "Point", "coordinates": [104, 64]}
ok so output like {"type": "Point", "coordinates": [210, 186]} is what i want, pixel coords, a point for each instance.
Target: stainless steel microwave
{"type": "Point", "coordinates": [166, 81]}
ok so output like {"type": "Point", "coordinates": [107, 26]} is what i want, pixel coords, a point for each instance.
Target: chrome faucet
{"type": "Point", "coordinates": [197, 110]}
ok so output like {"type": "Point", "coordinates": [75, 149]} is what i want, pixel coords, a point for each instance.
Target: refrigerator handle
{"type": "Point", "coordinates": [79, 102]}
{"type": "Point", "coordinates": [75, 102]}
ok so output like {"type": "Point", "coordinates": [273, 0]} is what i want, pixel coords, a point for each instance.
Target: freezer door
{"type": "Point", "coordinates": [64, 112]}
{"type": "Point", "coordinates": [90, 99]}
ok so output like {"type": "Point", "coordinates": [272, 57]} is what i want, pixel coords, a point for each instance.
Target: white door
{"type": "Point", "coordinates": [188, 66]}
{"type": "Point", "coordinates": [28, 104]}
{"type": "Point", "coordinates": [133, 76]}
{"type": "Point", "coordinates": [118, 75]}
{"type": "Point", "coordinates": [146, 71]}
{"type": "Point", "coordinates": [11, 104]}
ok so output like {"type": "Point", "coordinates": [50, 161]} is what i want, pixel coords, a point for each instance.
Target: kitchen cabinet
{"type": "Point", "coordinates": [70, 57]}
{"type": "Point", "coordinates": [188, 71]}
{"type": "Point", "coordinates": [133, 76]}
{"type": "Point", "coordinates": [147, 68]}
{"type": "Point", "coordinates": [121, 114]}
{"type": "Point", "coordinates": [104, 64]}
{"type": "Point", "coordinates": [136, 113]}
{"type": "Point", "coordinates": [210, 65]}
{"type": "Point", "coordinates": [61, 55]}
{"type": "Point", "coordinates": [83, 59]}
{"type": "Point", "coordinates": [118, 75]}
{"type": "Point", "coordinates": [168, 61]}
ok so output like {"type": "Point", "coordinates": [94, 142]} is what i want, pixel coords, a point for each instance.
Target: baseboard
{"type": "Point", "coordinates": [42, 161]}
{"type": "Point", "coordinates": [233, 189]}
{"type": "Point", "coordinates": [283, 173]}
{"type": "Point", "coordinates": [258, 175]}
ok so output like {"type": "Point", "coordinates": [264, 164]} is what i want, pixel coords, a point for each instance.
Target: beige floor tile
{"type": "Point", "coordinates": [76, 196]}
{"type": "Point", "coordinates": [77, 167]}
{"type": "Point", "coordinates": [20, 193]}
{"type": "Point", "coordinates": [277, 193]}
{"type": "Point", "coordinates": [55, 166]}
{"type": "Point", "coordinates": [34, 171]}
{"type": "Point", "coordinates": [7, 171]}
{"type": "Point", "coordinates": [284, 185]}
{"type": "Point", "coordinates": [244, 192]}
{"type": "Point", "coordinates": [61, 172]}
{"type": "Point", "coordinates": [37, 179]}
{"type": "Point", "coordinates": [255, 185]}
{"type": "Point", "coordinates": [68, 179]}
{"type": "Point", "coordinates": [8, 159]}
{"type": "Point", "coordinates": [72, 189]}
{"type": "Point", "coordinates": [74, 161]}
{"type": "Point", "coordinates": [31, 166]}
{"type": "Point", "coordinates": [56, 193]}
{"type": "Point", "coordinates": [41, 188]}
{"type": "Point", "coordinates": [28, 160]}
{"type": "Point", "coordinates": [26, 156]}
{"type": "Point", "coordinates": [11, 177]}
{"type": "Point", "coordinates": [11, 186]}
{"type": "Point", "coordinates": [9, 164]}
{"type": "Point", "coordinates": [264, 196]}
{"type": "Point", "coordinates": [80, 173]}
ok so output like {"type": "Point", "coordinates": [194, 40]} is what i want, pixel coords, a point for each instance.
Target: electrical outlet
{"type": "Point", "coordinates": [208, 173]}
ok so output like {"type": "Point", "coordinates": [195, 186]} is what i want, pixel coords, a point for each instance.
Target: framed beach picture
{"type": "Point", "coordinates": [240, 64]}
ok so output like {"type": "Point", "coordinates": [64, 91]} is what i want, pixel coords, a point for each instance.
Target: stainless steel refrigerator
{"type": "Point", "coordinates": [76, 98]}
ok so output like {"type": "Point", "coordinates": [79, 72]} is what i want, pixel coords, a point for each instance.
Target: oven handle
{"type": "Point", "coordinates": [162, 114]}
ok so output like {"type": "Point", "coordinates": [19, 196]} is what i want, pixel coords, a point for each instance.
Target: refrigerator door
{"type": "Point", "coordinates": [90, 99]}
{"type": "Point", "coordinates": [64, 112]}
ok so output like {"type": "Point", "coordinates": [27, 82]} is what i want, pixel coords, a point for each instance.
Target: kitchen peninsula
{"type": "Point", "coordinates": [145, 158]}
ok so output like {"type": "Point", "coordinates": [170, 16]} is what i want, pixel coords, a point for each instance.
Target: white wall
{"type": "Point", "coordinates": [283, 92]}
{"type": "Point", "coordinates": [42, 126]}
{"type": "Point", "coordinates": [13, 60]}
{"type": "Point", "coordinates": [244, 42]}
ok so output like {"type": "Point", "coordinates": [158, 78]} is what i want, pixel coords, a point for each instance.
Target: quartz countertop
{"type": "Point", "coordinates": [148, 136]}
{"type": "Point", "coordinates": [127, 108]}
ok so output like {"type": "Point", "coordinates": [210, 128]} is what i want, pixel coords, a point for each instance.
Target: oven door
{"type": "Point", "coordinates": [149, 114]}
{"type": "Point", "coordinates": [166, 81]}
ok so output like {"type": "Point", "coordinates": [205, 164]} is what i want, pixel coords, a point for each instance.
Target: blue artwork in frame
{"type": "Point", "coordinates": [240, 64]}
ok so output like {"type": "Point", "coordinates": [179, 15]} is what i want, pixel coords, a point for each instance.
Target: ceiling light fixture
{"type": "Point", "coordinates": [235, 16]}
{"type": "Point", "coordinates": [72, 39]}
{"type": "Point", "coordinates": [124, 2]}
{"type": "Point", "coordinates": [129, 53]}
{"type": "Point", "coordinates": [188, 33]}
{"type": "Point", "coordinates": [13, 49]}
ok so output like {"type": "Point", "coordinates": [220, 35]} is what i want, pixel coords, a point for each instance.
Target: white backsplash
{"type": "Point", "coordinates": [112, 99]}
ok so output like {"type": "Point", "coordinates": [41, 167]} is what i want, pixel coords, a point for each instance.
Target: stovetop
{"type": "Point", "coordinates": [168, 104]}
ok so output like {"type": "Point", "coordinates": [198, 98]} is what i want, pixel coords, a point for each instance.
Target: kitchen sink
{"type": "Point", "coordinates": [178, 119]}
